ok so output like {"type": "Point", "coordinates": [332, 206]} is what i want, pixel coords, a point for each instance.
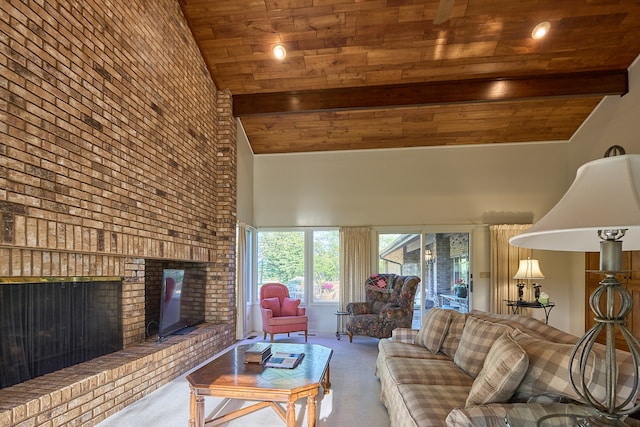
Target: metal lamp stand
{"type": "Point", "coordinates": [610, 412]}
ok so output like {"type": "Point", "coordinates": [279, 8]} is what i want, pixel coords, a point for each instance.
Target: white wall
{"type": "Point", "coordinates": [616, 121]}
{"type": "Point", "coordinates": [434, 185]}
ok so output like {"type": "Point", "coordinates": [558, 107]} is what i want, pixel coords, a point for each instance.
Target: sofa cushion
{"type": "Point", "coordinates": [426, 371]}
{"type": "Point", "coordinates": [388, 348]}
{"type": "Point", "coordinates": [477, 338]}
{"type": "Point", "coordinates": [290, 306]}
{"type": "Point", "coordinates": [435, 325]}
{"type": "Point", "coordinates": [452, 339]}
{"type": "Point", "coordinates": [503, 369]}
{"type": "Point", "coordinates": [424, 405]}
{"type": "Point", "coordinates": [491, 415]}
{"type": "Point", "coordinates": [272, 304]}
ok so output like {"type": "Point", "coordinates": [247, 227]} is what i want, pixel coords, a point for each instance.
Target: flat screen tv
{"type": "Point", "coordinates": [170, 302]}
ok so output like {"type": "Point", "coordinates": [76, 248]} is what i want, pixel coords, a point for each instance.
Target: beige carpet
{"type": "Point", "coordinates": [353, 400]}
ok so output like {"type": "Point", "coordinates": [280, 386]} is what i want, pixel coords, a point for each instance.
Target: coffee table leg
{"type": "Point", "coordinates": [311, 407]}
{"type": "Point", "coordinates": [291, 414]}
{"type": "Point", "coordinates": [196, 410]}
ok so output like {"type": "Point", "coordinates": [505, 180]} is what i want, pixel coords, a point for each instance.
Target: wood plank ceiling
{"type": "Point", "coordinates": [363, 74]}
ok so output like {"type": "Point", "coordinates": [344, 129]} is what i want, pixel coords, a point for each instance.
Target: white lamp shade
{"type": "Point", "coordinates": [604, 196]}
{"type": "Point", "coordinates": [529, 269]}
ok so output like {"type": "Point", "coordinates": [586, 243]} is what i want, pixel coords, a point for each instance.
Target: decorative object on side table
{"type": "Point", "coordinates": [460, 289]}
{"type": "Point", "coordinates": [528, 269]}
{"type": "Point", "coordinates": [603, 201]}
{"type": "Point", "coordinates": [544, 298]}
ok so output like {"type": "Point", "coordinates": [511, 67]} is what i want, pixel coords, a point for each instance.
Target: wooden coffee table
{"type": "Point", "coordinates": [230, 378]}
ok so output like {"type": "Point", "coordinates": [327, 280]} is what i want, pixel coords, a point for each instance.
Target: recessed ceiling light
{"type": "Point", "coordinates": [540, 30]}
{"type": "Point", "coordinates": [279, 51]}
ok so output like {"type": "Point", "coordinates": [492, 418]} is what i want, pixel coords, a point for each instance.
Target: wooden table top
{"type": "Point", "coordinates": [229, 372]}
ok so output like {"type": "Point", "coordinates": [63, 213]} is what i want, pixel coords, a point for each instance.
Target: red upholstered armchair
{"type": "Point", "coordinates": [280, 313]}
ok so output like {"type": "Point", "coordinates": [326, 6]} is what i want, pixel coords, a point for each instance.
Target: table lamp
{"type": "Point", "coordinates": [600, 211]}
{"type": "Point", "coordinates": [528, 269]}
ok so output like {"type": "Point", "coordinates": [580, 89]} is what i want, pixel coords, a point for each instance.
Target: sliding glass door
{"type": "Point", "coordinates": [441, 260]}
{"type": "Point", "coordinates": [447, 271]}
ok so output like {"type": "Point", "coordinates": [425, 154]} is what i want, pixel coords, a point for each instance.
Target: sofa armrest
{"type": "Point", "coordinates": [404, 335]}
{"type": "Point", "coordinates": [355, 308]}
{"type": "Point", "coordinates": [302, 311]}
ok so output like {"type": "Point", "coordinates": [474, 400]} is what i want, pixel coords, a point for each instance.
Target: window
{"type": "Point", "coordinates": [446, 265]}
{"type": "Point", "coordinates": [296, 258]}
{"type": "Point", "coordinates": [281, 259]}
{"type": "Point", "coordinates": [399, 254]}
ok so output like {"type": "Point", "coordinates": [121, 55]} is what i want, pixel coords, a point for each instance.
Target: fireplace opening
{"type": "Point", "coordinates": [192, 305]}
{"type": "Point", "coordinates": [51, 323]}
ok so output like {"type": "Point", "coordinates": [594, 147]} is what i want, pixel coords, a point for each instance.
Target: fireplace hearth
{"type": "Point", "coordinates": [47, 324]}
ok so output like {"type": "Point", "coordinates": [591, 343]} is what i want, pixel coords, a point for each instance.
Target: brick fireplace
{"type": "Point", "coordinates": [117, 155]}
{"type": "Point", "coordinates": [87, 393]}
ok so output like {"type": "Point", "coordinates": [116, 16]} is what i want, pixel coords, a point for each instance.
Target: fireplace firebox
{"type": "Point", "coordinates": [51, 323]}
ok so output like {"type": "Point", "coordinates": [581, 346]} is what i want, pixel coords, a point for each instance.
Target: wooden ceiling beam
{"type": "Point", "coordinates": [593, 83]}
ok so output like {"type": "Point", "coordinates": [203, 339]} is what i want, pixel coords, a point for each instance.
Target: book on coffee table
{"type": "Point", "coordinates": [257, 353]}
{"type": "Point", "coordinates": [284, 360]}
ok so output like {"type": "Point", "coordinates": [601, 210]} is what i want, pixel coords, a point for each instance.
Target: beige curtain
{"type": "Point", "coordinates": [504, 265]}
{"type": "Point", "coordinates": [355, 263]}
{"type": "Point", "coordinates": [241, 279]}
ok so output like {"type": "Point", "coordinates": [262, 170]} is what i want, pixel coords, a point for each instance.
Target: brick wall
{"type": "Point", "coordinates": [115, 148]}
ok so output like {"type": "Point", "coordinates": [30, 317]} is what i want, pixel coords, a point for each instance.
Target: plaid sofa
{"type": "Point", "coordinates": [471, 369]}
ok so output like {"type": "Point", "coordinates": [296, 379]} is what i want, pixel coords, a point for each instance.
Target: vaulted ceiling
{"type": "Point", "coordinates": [362, 74]}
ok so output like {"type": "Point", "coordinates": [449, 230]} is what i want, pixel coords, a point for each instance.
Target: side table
{"type": "Point", "coordinates": [339, 325]}
{"type": "Point", "coordinates": [551, 415]}
{"type": "Point", "coordinates": [517, 306]}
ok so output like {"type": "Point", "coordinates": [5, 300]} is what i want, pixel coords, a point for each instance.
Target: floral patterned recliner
{"type": "Point", "coordinates": [389, 305]}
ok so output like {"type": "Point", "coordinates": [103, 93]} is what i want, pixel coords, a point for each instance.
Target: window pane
{"type": "Point", "coordinates": [249, 264]}
{"type": "Point", "coordinates": [447, 270]}
{"type": "Point", "coordinates": [399, 254]}
{"type": "Point", "coordinates": [281, 259]}
{"type": "Point", "coordinates": [326, 269]}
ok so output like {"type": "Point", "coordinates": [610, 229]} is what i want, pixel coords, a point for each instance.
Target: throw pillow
{"type": "Point", "coordinates": [435, 325]}
{"type": "Point", "coordinates": [272, 304]}
{"type": "Point", "coordinates": [548, 372]}
{"type": "Point", "coordinates": [477, 338]}
{"type": "Point", "coordinates": [452, 339]}
{"type": "Point", "coordinates": [289, 307]}
{"type": "Point", "coordinates": [503, 369]}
